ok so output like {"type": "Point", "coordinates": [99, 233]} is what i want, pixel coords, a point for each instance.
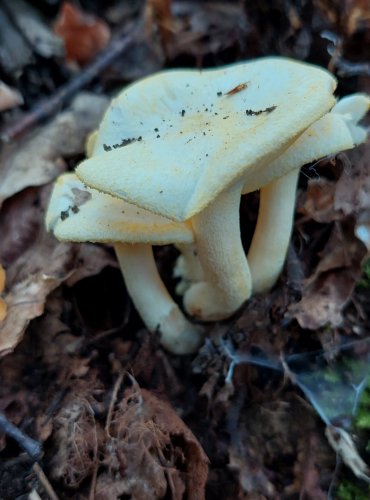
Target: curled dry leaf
{"type": "Point", "coordinates": [36, 262]}
{"type": "Point", "coordinates": [9, 98]}
{"type": "Point", "coordinates": [319, 198]}
{"type": "Point", "coordinates": [38, 158]}
{"type": "Point", "coordinates": [84, 35]}
{"type": "Point", "coordinates": [329, 289]}
{"type": "Point", "coordinates": [151, 452]}
{"type": "Point", "coordinates": [33, 29]}
{"type": "Point", "coordinates": [77, 438]}
{"type": "Point", "coordinates": [352, 194]}
{"type": "Point", "coordinates": [26, 298]}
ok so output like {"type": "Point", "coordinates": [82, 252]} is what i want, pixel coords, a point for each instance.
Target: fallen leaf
{"type": "Point", "coordinates": [34, 29]}
{"type": "Point", "coordinates": [76, 439]}
{"type": "Point", "coordinates": [84, 35]}
{"type": "Point", "coordinates": [39, 158]}
{"type": "Point", "coordinates": [352, 193]}
{"type": "Point", "coordinates": [9, 98]}
{"type": "Point", "coordinates": [158, 15]}
{"type": "Point", "coordinates": [324, 300]}
{"type": "Point", "coordinates": [328, 290]}
{"type": "Point", "coordinates": [26, 298]}
{"type": "Point", "coordinates": [318, 202]}
{"type": "Point", "coordinates": [151, 452]}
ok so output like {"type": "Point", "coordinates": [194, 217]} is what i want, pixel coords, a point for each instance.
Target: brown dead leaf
{"type": "Point", "coordinates": [20, 222]}
{"type": "Point", "coordinates": [77, 439]}
{"type": "Point", "coordinates": [84, 35]}
{"type": "Point", "coordinates": [352, 194]}
{"type": "Point", "coordinates": [158, 15]}
{"type": "Point", "coordinates": [26, 297]}
{"type": "Point", "coordinates": [324, 300]}
{"type": "Point", "coordinates": [33, 28]}
{"type": "Point", "coordinates": [38, 158]}
{"type": "Point", "coordinates": [328, 290]}
{"type": "Point", "coordinates": [319, 198]}
{"type": "Point", "coordinates": [306, 470]}
{"type": "Point", "coordinates": [9, 98]}
{"type": "Point", "coordinates": [150, 452]}
{"type": "Point", "coordinates": [36, 263]}
{"type": "Point", "coordinates": [206, 28]}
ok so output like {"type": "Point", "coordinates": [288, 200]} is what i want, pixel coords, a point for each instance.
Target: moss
{"type": "Point", "coordinates": [356, 489]}
{"type": "Point", "coordinates": [348, 490]}
{"type": "Point", "coordinates": [365, 278]}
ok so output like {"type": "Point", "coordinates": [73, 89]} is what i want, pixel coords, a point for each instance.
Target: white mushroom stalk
{"type": "Point", "coordinates": [152, 300]}
{"type": "Point", "coordinates": [228, 282]}
{"type": "Point", "coordinates": [335, 132]}
{"type": "Point", "coordinates": [178, 143]}
{"type": "Point", "coordinates": [271, 237]}
{"type": "Point", "coordinates": [80, 214]}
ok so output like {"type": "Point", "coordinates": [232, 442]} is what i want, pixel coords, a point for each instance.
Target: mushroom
{"type": "Point", "coordinates": [77, 213]}
{"type": "Point", "coordinates": [337, 131]}
{"type": "Point", "coordinates": [191, 138]}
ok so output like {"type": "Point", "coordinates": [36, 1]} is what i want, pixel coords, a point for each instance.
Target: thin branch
{"type": "Point", "coordinates": [30, 446]}
{"type": "Point", "coordinates": [45, 482]}
{"type": "Point", "coordinates": [47, 107]}
{"type": "Point", "coordinates": [113, 400]}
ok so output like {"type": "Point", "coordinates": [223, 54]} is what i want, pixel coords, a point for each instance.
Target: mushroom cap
{"type": "Point", "coordinates": [78, 213]}
{"type": "Point", "coordinates": [187, 135]}
{"type": "Point", "coordinates": [336, 131]}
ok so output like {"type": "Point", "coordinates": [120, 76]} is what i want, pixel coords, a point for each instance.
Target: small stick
{"type": "Point", "coordinates": [113, 400]}
{"type": "Point", "coordinates": [44, 481]}
{"type": "Point", "coordinates": [29, 445]}
{"type": "Point", "coordinates": [49, 106]}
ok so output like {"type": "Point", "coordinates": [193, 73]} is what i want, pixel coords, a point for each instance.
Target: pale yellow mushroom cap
{"type": "Point", "coordinates": [173, 141]}
{"type": "Point", "coordinates": [78, 213]}
{"type": "Point", "coordinates": [336, 131]}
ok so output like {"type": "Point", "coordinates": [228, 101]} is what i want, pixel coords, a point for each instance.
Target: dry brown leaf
{"type": "Point", "coordinates": [36, 262]}
{"type": "Point", "coordinates": [84, 35]}
{"type": "Point", "coordinates": [77, 439]}
{"type": "Point", "coordinates": [328, 290]}
{"type": "Point", "coordinates": [318, 203]}
{"type": "Point", "coordinates": [38, 158]}
{"type": "Point", "coordinates": [151, 452]}
{"type": "Point", "coordinates": [324, 300]}
{"type": "Point", "coordinates": [33, 28]}
{"type": "Point", "coordinates": [352, 194]}
{"type": "Point", "coordinates": [158, 15]}
{"type": "Point", "coordinates": [9, 98]}
{"type": "Point", "coordinates": [26, 298]}
{"type": "Point", "coordinates": [206, 27]}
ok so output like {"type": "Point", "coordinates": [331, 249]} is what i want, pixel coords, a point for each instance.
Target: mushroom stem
{"type": "Point", "coordinates": [227, 283]}
{"type": "Point", "coordinates": [271, 237]}
{"type": "Point", "coordinates": [152, 300]}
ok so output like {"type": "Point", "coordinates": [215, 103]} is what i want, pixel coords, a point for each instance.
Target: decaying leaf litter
{"type": "Point", "coordinates": [118, 417]}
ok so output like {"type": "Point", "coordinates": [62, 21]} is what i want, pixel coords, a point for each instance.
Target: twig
{"type": "Point", "coordinates": [93, 482]}
{"type": "Point", "coordinates": [29, 445]}
{"type": "Point", "coordinates": [116, 388]}
{"type": "Point", "coordinates": [44, 481]}
{"type": "Point", "coordinates": [49, 106]}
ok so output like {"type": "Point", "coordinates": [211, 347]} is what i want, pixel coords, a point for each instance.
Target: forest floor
{"type": "Point", "coordinates": [276, 403]}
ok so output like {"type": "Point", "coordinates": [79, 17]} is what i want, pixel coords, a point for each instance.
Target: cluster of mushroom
{"type": "Point", "coordinates": [169, 163]}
